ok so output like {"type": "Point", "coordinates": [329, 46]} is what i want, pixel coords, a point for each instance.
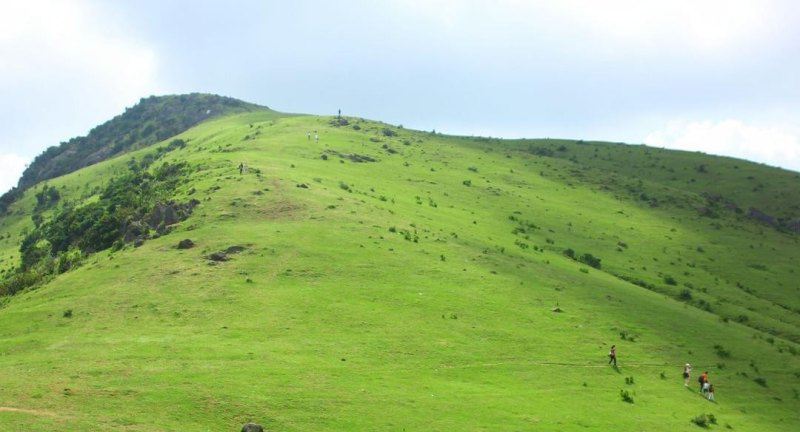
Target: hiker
{"type": "Point", "coordinates": [308, 134]}
{"type": "Point", "coordinates": [703, 379]}
{"type": "Point", "coordinates": [612, 355]}
{"type": "Point", "coordinates": [316, 136]}
{"type": "Point", "coordinates": [241, 168]}
{"type": "Point", "coordinates": [686, 369]}
{"type": "Point", "coordinates": [706, 387]}
{"type": "Point", "coordinates": [711, 392]}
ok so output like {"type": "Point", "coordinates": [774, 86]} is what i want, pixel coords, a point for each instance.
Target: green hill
{"type": "Point", "coordinates": [390, 279]}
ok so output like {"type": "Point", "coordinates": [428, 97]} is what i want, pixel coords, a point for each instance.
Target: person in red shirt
{"type": "Point", "coordinates": [702, 380]}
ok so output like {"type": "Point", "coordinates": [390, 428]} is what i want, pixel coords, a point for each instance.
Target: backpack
{"type": "Point", "coordinates": [700, 379]}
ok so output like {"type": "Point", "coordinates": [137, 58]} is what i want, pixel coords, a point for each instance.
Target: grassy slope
{"type": "Point", "coordinates": [331, 321]}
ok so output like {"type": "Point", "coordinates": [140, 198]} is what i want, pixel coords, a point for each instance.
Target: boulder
{"type": "Point", "coordinates": [252, 427]}
{"type": "Point", "coordinates": [185, 244]}
{"type": "Point", "coordinates": [218, 257]}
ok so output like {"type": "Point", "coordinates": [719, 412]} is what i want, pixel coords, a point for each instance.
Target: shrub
{"type": "Point", "coordinates": [467, 182]}
{"type": "Point", "coordinates": [721, 352]}
{"type": "Point", "coordinates": [67, 313]}
{"type": "Point", "coordinates": [626, 396]}
{"type": "Point", "coordinates": [388, 132]}
{"type": "Point", "coordinates": [669, 280]}
{"type": "Point", "coordinates": [590, 260]}
{"type": "Point", "coordinates": [760, 381]}
{"type": "Point", "coordinates": [685, 295]}
{"type": "Point", "coordinates": [569, 253]}
{"type": "Point", "coordinates": [704, 420]}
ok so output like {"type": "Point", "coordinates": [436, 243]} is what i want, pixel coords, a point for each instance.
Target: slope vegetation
{"type": "Point", "coordinates": [387, 279]}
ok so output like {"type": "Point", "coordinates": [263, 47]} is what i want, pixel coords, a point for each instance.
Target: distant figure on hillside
{"type": "Point", "coordinates": [703, 379]}
{"type": "Point", "coordinates": [241, 168]}
{"type": "Point", "coordinates": [710, 392]}
{"type": "Point", "coordinates": [612, 355]}
{"type": "Point", "coordinates": [338, 116]}
{"type": "Point", "coordinates": [308, 134]}
{"type": "Point", "coordinates": [686, 369]}
{"type": "Point", "coordinates": [316, 136]}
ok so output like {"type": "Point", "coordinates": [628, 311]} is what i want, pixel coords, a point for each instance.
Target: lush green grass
{"type": "Point", "coordinates": [390, 295]}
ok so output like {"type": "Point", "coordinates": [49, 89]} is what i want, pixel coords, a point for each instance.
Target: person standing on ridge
{"type": "Point", "coordinates": [686, 369]}
{"type": "Point", "coordinates": [316, 136]}
{"type": "Point", "coordinates": [612, 355]}
{"type": "Point", "coordinates": [308, 135]}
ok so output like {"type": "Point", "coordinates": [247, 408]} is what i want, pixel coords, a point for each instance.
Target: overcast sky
{"type": "Point", "coordinates": [721, 77]}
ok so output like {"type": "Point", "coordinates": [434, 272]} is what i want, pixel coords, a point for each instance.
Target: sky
{"type": "Point", "coordinates": [716, 76]}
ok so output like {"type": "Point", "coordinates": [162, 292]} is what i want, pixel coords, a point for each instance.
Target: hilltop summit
{"type": "Point", "coordinates": [153, 119]}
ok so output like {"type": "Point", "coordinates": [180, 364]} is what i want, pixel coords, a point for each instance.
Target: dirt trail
{"type": "Point", "coordinates": [28, 411]}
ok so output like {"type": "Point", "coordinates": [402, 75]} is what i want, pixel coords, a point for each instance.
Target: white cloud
{"type": "Point", "coordinates": [777, 146]}
{"type": "Point", "coordinates": [41, 41]}
{"type": "Point", "coordinates": [65, 67]}
{"type": "Point", "coordinates": [11, 167]}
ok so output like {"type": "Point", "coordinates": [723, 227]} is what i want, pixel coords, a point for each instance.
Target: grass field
{"type": "Point", "coordinates": [414, 292]}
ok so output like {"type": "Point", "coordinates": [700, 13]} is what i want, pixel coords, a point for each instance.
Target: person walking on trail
{"type": "Point", "coordinates": [686, 369]}
{"type": "Point", "coordinates": [241, 168]}
{"type": "Point", "coordinates": [316, 136]}
{"type": "Point", "coordinates": [710, 394]}
{"type": "Point", "coordinates": [703, 379]}
{"type": "Point", "coordinates": [308, 134]}
{"type": "Point", "coordinates": [612, 355]}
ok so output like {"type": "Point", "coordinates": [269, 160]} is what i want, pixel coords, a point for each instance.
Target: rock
{"type": "Point", "coordinates": [135, 230]}
{"type": "Point", "coordinates": [556, 309]}
{"type": "Point", "coordinates": [234, 249]}
{"type": "Point", "coordinates": [760, 216]}
{"type": "Point", "coordinates": [185, 244]}
{"type": "Point", "coordinates": [218, 257]}
{"type": "Point", "coordinates": [252, 427]}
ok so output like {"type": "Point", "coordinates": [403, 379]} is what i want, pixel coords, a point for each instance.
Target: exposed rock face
{"type": "Point", "coordinates": [760, 216]}
{"type": "Point", "coordinates": [170, 213]}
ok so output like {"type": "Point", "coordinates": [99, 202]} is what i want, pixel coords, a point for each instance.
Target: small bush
{"type": "Point", "coordinates": [669, 280]}
{"type": "Point", "coordinates": [704, 420]}
{"type": "Point", "coordinates": [67, 313]}
{"type": "Point", "coordinates": [685, 295]}
{"type": "Point", "coordinates": [761, 381]}
{"type": "Point", "coordinates": [626, 396]}
{"type": "Point", "coordinates": [590, 260]}
{"type": "Point", "coordinates": [467, 182]}
{"type": "Point", "coordinates": [721, 352]}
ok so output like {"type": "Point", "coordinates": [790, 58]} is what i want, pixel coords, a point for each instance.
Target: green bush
{"type": "Point", "coordinates": [590, 260]}
{"type": "Point", "coordinates": [704, 420]}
